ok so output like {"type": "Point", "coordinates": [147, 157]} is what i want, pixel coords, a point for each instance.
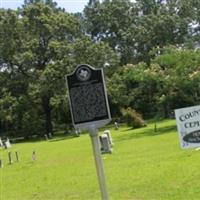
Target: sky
{"type": "Point", "coordinates": [69, 5]}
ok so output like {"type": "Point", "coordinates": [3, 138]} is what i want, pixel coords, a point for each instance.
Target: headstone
{"type": "Point", "coordinates": [1, 163]}
{"type": "Point", "coordinates": [155, 127]}
{"type": "Point", "coordinates": [105, 144]}
{"type": "Point", "coordinates": [77, 132]}
{"type": "Point", "coordinates": [34, 156]}
{"type": "Point", "coordinates": [1, 143]}
{"type": "Point", "coordinates": [10, 158]}
{"type": "Point", "coordinates": [107, 132]}
{"type": "Point", "coordinates": [7, 144]}
{"type": "Point", "coordinates": [17, 156]}
{"type": "Point", "coordinates": [46, 137]}
{"type": "Point", "coordinates": [116, 126]}
{"type": "Point", "coordinates": [50, 135]}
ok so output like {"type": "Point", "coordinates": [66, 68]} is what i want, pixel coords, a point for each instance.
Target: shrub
{"type": "Point", "coordinates": [133, 118]}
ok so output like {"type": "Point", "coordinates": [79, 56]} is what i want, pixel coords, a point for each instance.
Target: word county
{"type": "Point", "coordinates": [190, 115]}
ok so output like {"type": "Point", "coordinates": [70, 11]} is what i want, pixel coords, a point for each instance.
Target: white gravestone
{"type": "Point", "coordinates": [107, 132]}
{"type": "Point", "coordinates": [116, 126]}
{"type": "Point", "coordinates": [7, 144]}
{"type": "Point", "coordinates": [46, 137]}
{"type": "Point", "coordinates": [1, 143]}
{"type": "Point", "coordinates": [105, 144]}
{"type": "Point", "coordinates": [50, 135]}
{"type": "Point", "coordinates": [77, 132]}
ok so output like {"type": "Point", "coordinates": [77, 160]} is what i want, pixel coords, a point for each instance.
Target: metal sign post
{"type": "Point", "coordinates": [90, 110]}
{"type": "Point", "coordinates": [98, 161]}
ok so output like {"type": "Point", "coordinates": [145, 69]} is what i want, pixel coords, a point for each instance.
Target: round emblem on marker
{"type": "Point", "coordinates": [83, 73]}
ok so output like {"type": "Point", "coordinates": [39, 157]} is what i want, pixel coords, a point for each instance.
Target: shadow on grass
{"type": "Point", "coordinates": [146, 132]}
{"type": "Point", "coordinates": [55, 138]}
{"type": "Point", "coordinates": [68, 137]}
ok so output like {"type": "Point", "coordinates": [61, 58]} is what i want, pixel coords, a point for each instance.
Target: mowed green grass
{"type": "Point", "coordinates": [144, 165]}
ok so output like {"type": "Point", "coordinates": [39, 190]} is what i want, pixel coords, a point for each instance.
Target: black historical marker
{"type": "Point", "coordinates": [88, 97]}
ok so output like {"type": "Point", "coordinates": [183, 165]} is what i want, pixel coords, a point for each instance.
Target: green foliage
{"type": "Point", "coordinates": [8, 105]}
{"type": "Point", "coordinates": [133, 29]}
{"type": "Point", "coordinates": [98, 54]}
{"type": "Point", "coordinates": [170, 82]}
{"type": "Point", "coordinates": [132, 118]}
{"type": "Point", "coordinates": [32, 124]}
{"type": "Point", "coordinates": [136, 86]}
{"type": "Point", "coordinates": [180, 69]}
{"type": "Point", "coordinates": [39, 45]}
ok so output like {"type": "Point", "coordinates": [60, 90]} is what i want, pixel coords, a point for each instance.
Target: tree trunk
{"type": "Point", "coordinates": [167, 110]}
{"type": "Point", "coordinates": [47, 112]}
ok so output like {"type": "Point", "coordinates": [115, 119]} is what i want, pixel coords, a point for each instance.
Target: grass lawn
{"type": "Point", "coordinates": [144, 165]}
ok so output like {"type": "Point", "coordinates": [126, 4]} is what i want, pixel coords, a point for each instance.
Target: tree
{"type": "Point", "coordinates": [170, 82]}
{"type": "Point", "coordinates": [134, 29]}
{"type": "Point", "coordinates": [109, 21]}
{"type": "Point", "coordinates": [181, 76]}
{"type": "Point", "coordinates": [136, 86]}
{"type": "Point", "coordinates": [39, 44]}
{"type": "Point", "coordinates": [37, 37]}
{"type": "Point", "coordinates": [96, 54]}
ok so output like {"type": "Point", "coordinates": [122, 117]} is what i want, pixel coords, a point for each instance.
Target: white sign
{"type": "Point", "coordinates": [188, 124]}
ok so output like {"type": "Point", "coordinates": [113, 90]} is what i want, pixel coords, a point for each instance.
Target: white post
{"type": "Point", "coordinates": [98, 161]}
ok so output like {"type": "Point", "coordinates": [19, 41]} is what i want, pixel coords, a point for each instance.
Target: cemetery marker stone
{"type": "Point", "coordinates": [89, 109]}
{"type": "Point", "coordinates": [10, 158]}
{"type": "Point", "coordinates": [1, 143]}
{"type": "Point", "coordinates": [1, 163]}
{"type": "Point", "coordinates": [17, 156]}
{"type": "Point", "coordinates": [34, 156]}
